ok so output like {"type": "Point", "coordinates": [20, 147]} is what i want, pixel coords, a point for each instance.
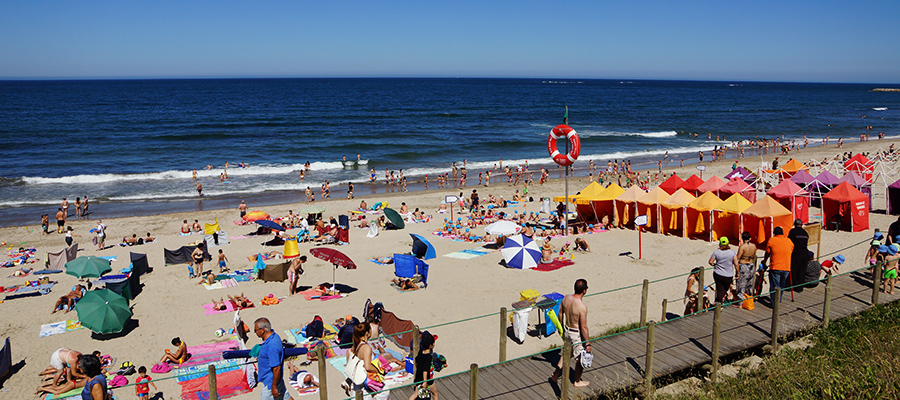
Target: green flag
{"type": "Point", "coordinates": [566, 117]}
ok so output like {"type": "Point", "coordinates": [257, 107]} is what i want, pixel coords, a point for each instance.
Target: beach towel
{"type": "Point", "coordinates": [467, 254]}
{"type": "Point", "coordinates": [305, 391]}
{"type": "Point", "coordinates": [29, 291]}
{"type": "Point", "coordinates": [229, 306]}
{"type": "Point", "coordinates": [225, 283]}
{"type": "Point", "coordinates": [204, 354]}
{"type": "Point", "coordinates": [376, 261]}
{"type": "Point", "coordinates": [223, 239]}
{"type": "Point", "coordinates": [231, 380]}
{"type": "Point", "coordinates": [58, 260]}
{"type": "Point", "coordinates": [311, 294]}
{"type": "Point", "coordinates": [554, 265]}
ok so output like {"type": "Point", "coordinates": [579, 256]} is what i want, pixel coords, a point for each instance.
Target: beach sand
{"type": "Point", "coordinates": [170, 304]}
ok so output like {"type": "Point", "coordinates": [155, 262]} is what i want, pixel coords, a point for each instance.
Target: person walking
{"type": "Point", "coordinates": [573, 318]}
{"type": "Point", "coordinates": [746, 266]}
{"type": "Point", "coordinates": [725, 267]}
{"type": "Point", "coordinates": [800, 255]}
{"type": "Point", "coordinates": [270, 361]}
{"type": "Point", "coordinates": [779, 250]}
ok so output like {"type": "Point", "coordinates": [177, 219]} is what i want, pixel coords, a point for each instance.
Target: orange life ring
{"type": "Point", "coordinates": [558, 132]}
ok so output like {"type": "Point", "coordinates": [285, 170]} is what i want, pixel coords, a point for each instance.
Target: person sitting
{"type": "Point", "coordinates": [68, 301]}
{"type": "Point", "coordinates": [209, 278]}
{"type": "Point", "coordinates": [219, 305]}
{"type": "Point", "coordinates": [405, 284]}
{"type": "Point", "coordinates": [241, 301]}
{"type": "Point", "coordinates": [363, 206]}
{"type": "Point", "coordinates": [149, 239]}
{"type": "Point", "coordinates": [195, 228]}
{"type": "Point", "coordinates": [546, 251]}
{"type": "Point", "coordinates": [403, 208]}
{"type": "Point", "coordinates": [179, 356]}
{"type": "Point", "coordinates": [363, 222]}
{"type": "Point", "coordinates": [581, 245]}
{"type": "Point", "coordinates": [442, 208]}
{"type": "Point", "coordinates": [185, 228]}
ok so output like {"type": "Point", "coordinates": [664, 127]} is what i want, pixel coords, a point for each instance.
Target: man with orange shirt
{"type": "Point", "coordinates": [779, 249]}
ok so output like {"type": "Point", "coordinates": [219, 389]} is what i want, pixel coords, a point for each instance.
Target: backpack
{"type": "Point", "coordinates": [316, 328]}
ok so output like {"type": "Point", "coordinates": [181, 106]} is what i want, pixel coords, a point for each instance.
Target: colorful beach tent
{"type": "Point", "coordinates": [802, 178]}
{"type": "Point", "coordinates": [859, 183]}
{"type": "Point", "coordinates": [737, 185]}
{"type": "Point", "coordinates": [846, 207]}
{"type": "Point", "coordinates": [626, 206]}
{"type": "Point", "coordinates": [821, 184]}
{"type": "Point", "coordinates": [691, 184]}
{"type": "Point", "coordinates": [743, 173]}
{"type": "Point", "coordinates": [790, 168]}
{"type": "Point", "coordinates": [672, 184]}
{"type": "Point", "coordinates": [700, 216]}
{"type": "Point", "coordinates": [673, 213]}
{"type": "Point", "coordinates": [727, 220]}
{"type": "Point", "coordinates": [711, 185]}
{"type": "Point", "coordinates": [591, 191]}
{"type": "Point", "coordinates": [649, 205]}
{"type": "Point", "coordinates": [603, 206]}
{"type": "Point", "coordinates": [761, 219]}
{"type": "Point", "coordinates": [893, 198]}
{"type": "Point", "coordinates": [862, 166]}
{"type": "Point", "coordinates": [793, 198]}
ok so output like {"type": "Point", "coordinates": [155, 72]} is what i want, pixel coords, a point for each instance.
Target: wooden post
{"type": "Point", "coordinates": [473, 382]}
{"type": "Point", "coordinates": [503, 322]}
{"type": "Point", "coordinates": [323, 369]}
{"type": "Point", "coordinates": [717, 326]}
{"type": "Point", "coordinates": [648, 366]}
{"type": "Point", "coordinates": [644, 293]}
{"type": "Point", "coordinates": [566, 364]}
{"type": "Point", "coordinates": [876, 282]}
{"type": "Point", "coordinates": [415, 346]}
{"type": "Point", "coordinates": [213, 391]}
{"type": "Point", "coordinates": [359, 395]}
{"type": "Point", "coordinates": [776, 309]}
{"type": "Point", "coordinates": [665, 304]}
{"type": "Point", "coordinates": [826, 314]}
{"type": "Point", "coordinates": [702, 292]}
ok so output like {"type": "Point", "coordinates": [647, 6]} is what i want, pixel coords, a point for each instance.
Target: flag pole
{"type": "Point", "coordinates": [566, 209]}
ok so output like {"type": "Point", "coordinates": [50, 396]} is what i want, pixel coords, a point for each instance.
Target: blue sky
{"type": "Point", "coordinates": [811, 41]}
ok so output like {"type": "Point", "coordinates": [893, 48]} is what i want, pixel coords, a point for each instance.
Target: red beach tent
{"type": "Point", "coordinates": [672, 184]}
{"type": "Point", "coordinates": [737, 185]}
{"type": "Point", "coordinates": [793, 198]}
{"type": "Point", "coordinates": [711, 185]}
{"type": "Point", "coordinates": [848, 206]}
{"type": "Point", "coordinates": [700, 216]}
{"type": "Point", "coordinates": [862, 166]}
{"type": "Point", "coordinates": [691, 184]}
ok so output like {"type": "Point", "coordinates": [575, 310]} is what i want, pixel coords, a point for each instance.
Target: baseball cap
{"type": "Point", "coordinates": [840, 259]}
{"type": "Point", "coordinates": [723, 240]}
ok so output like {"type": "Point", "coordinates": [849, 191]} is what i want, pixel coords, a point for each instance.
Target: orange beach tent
{"type": "Point", "coordinates": [700, 216]}
{"type": "Point", "coordinates": [649, 205]}
{"type": "Point", "coordinates": [847, 205]}
{"type": "Point", "coordinates": [761, 219]}
{"type": "Point", "coordinates": [602, 205]}
{"type": "Point", "coordinates": [626, 206]}
{"type": "Point", "coordinates": [793, 198]}
{"type": "Point", "coordinates": [790, 168]}
{"type": "Point", "coordinates": [728, 217]}
{"type": "Point", "coordinates": [673, 212]}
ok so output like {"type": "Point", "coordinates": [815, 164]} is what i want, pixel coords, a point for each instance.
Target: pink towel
{"type": "Point", "coordinates": [210, 311]}
{"type": "Point", "coordinates": [323, 298]}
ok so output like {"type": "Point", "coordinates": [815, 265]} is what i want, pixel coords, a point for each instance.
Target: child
{"type": "Point", "coordinates": [142, 384]}
{"type": "Point", "coordinates": [222, 259]}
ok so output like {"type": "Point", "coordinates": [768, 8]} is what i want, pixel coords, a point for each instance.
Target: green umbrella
{"type": "Point", "coordinates": [103, 311]}
{"type": "Point", "coordinates": [311, 210]}
{"type": "Point", "coordinates": [88, 267]}
{"type": "Point", "coordinates": [395, 218]}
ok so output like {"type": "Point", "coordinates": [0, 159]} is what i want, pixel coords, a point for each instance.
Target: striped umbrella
{"type": "Point", "coordinates": [520, 252]}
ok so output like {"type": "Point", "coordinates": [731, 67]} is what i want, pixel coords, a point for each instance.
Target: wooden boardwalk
{"type": "Point", "coordinates": [680, 344]}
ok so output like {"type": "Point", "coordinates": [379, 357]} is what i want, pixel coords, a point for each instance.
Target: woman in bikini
{"type": "Point", "coordinates": [179, 356]}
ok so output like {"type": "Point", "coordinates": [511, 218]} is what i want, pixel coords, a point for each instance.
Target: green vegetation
{"type": "Point", "coordinates": [855, 358]}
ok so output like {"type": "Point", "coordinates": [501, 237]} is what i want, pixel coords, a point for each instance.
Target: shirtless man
{"type": "Point", "coordinates": [746, 262]}
{"type": "Point", "coordinates": [199, 190]}
{"type": "Point", "coordinates": [185, 227]}
{"type": "Point", "coordinates": [243, 209]}
{"type": "Point", "coordinates": [196, 227]}
{"type": "Point", "coordinates": [60, 220]}
{"type": "Point", "coordinates": [573, 317]}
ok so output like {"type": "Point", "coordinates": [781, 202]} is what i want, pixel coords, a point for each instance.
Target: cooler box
{"type": "Point", "coordinates": [551, 301]}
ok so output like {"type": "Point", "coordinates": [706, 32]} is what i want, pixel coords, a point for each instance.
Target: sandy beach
{"type": "Point", "coordinates": [171, 304]}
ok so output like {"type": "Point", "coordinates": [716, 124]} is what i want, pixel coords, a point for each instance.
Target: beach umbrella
{"type": "Point", "coordinates": [422, 248]}
{"type": "Point", "coordinates": [505, 228]}
{"type": "Point", "coordinates": [311, 210]}
{"type": "Point", "coordinates": [269, 224]}
{"type": "Point", "coordinates": [333, 256]}
{"type": "Point", "coordinates": [88, 267]}
{"type": "Point", "coordinates": [103, 311]}
{"type": "Point", "coordinates": [395, 218]}
{"type": "Point", "coordinates": [520, 252]}
{"type": "Point", "coordinates": [256, 215]}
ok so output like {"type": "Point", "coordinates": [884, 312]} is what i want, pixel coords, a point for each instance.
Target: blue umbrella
{"type": "Point", "coordinates": [421, 248]}
{"type": "Point", "coordinates": [269, 224]}
{"type": "Point", "coordinates": [520, 252]}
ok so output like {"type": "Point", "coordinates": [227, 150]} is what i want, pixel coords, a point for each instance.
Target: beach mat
{"type": "Point", "coordinates": [225, 283]}
{"type": "Point", "coordinates": [305, 391]}
{"type": "Point", "coordinates": [553, 266]}
{"type": "Point", "coordinates": [210, 311]}
{"type": "Point", "coordinates": [467, 254]}
{"type": "Point", "coordinates": [231, 381]}
{"type": "Point", "coordinates": [206, 354]}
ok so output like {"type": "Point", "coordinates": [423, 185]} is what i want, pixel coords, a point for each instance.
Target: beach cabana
{"type": "Point", "coordinates": [846, 208]}
{"type": "Point", "coordinates": [602, 205]}
{"type": "Point", "coordinates": [700, 216]}
{"type": "Point", "coordinates": [860, 184]}
{"type": "Point", "coordinates": [673, 214]}
{"type": "Point", "coordinates": [893, 198]}
{"type": "Point", "coordinates": [691, 184]}
{"type": "Point", "coordinates": [727, 220]}
{"type": "Point", "coordinates": [761, 219]}
{"type": "Point", "coordinates": [585, 213]}
{"type": "Point", "coordinates": [821, 184]}
{"type": "Point", "coordinates": [737, 185]}
{"type": "Point", "coordinates": [790, 168]}
{"type": "Point", "coordinates": [862, 166]}
{"type": "Point", "coordinates": [743, 173]}
{"type": "Point", "coordinates": [672, 184]}
{"type": "Point", "coordinates": [802, 178]}
{"type": "Point", "coordinates": [649, 205]}
{"type": "Point", "coordinates": [711, 185]}
{"type": "Point", "coordinates": [626, 206]}
{"type": "Point", "coordinates": [793, 198]}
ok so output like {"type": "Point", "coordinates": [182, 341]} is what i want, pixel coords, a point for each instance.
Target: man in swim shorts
{"type": "Point", "coordinates": [573, 318]}
{"type": "Point", "coordinates": [243, 209]}
{"type": "Point", "coordinates": [60, 220]}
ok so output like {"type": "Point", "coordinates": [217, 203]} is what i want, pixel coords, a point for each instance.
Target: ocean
{"type": "Point", "coordinates": [131, 145]}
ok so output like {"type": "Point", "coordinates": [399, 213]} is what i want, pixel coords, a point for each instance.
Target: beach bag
{"type": "Point", "coordinates": [161, 368]}
{"type": "Point", "coordinates": [585, 358]}
{"type": "Point", "coordinates": [316, 328]}
{"type": "Point", "coordinates": [747, 304]}
{"type": "Point", "coordinates": [355, 370]}
{"type": "Point", "coordinates": [118, 380]}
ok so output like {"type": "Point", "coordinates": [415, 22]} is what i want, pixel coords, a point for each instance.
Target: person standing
{"type": "Point", "coordinates": [349, 190]}
{"type": "Point", "coordinates": [84, 208]}
{"type": "Point", "coordinates": [294, 272]}
{"type": "Point", "coordinates": [779, 250]}
{"type": "Point", "coordinates": [573, 318]}
{"type": "Point", "coordinates": [60, 220]}
{"type": "Point", "coordinates": [65, 208]}
{"type": "Point", "coordinates": [243, 209]}
{"type": "Point", "coordinates": [199, 190]}
{"type": "Point", "coordinates": [78, 208]}
{"type": "Point", "coordinates": [746, 266]}
{"type": "Point", "coordinates": [725, 266]}
{"type": "Point", "coordinates": [800, 255]}
{"type": "Point", "coordinates": [101, 234]}
{"type": "Point", "coordinates": [270, 361]}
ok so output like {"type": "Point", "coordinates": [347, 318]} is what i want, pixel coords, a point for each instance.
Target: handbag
{"type": "Point", "coordinates": [355, 370]}
{"type": "Point", "coordinates": [747, 304]}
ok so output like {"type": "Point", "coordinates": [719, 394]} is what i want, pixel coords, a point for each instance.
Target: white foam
{"type": "Point", "coordinates": [880, 108]}
{"type": "Point", "coordinates": [590, 133]}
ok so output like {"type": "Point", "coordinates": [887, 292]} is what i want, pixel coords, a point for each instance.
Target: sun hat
{"type": "Point", "coordinates": [875, 243]}
{"type": "Point", "coordinates": [878, 236]}
{"type": "Point", "coordinates": [840, 259]}
{"type": "Point", "coordinates": [723, 240]}
{"type": "Point", "coordinates": [882, 248]}
{"type": "Point", "coordinates": [892, 249]}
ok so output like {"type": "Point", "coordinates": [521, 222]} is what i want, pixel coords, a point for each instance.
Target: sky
{"type": "Point", "coordinates": [751, 40]}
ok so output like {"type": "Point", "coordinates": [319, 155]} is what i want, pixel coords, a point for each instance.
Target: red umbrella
{"type": "Point", "coordinates": [333, 256]}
